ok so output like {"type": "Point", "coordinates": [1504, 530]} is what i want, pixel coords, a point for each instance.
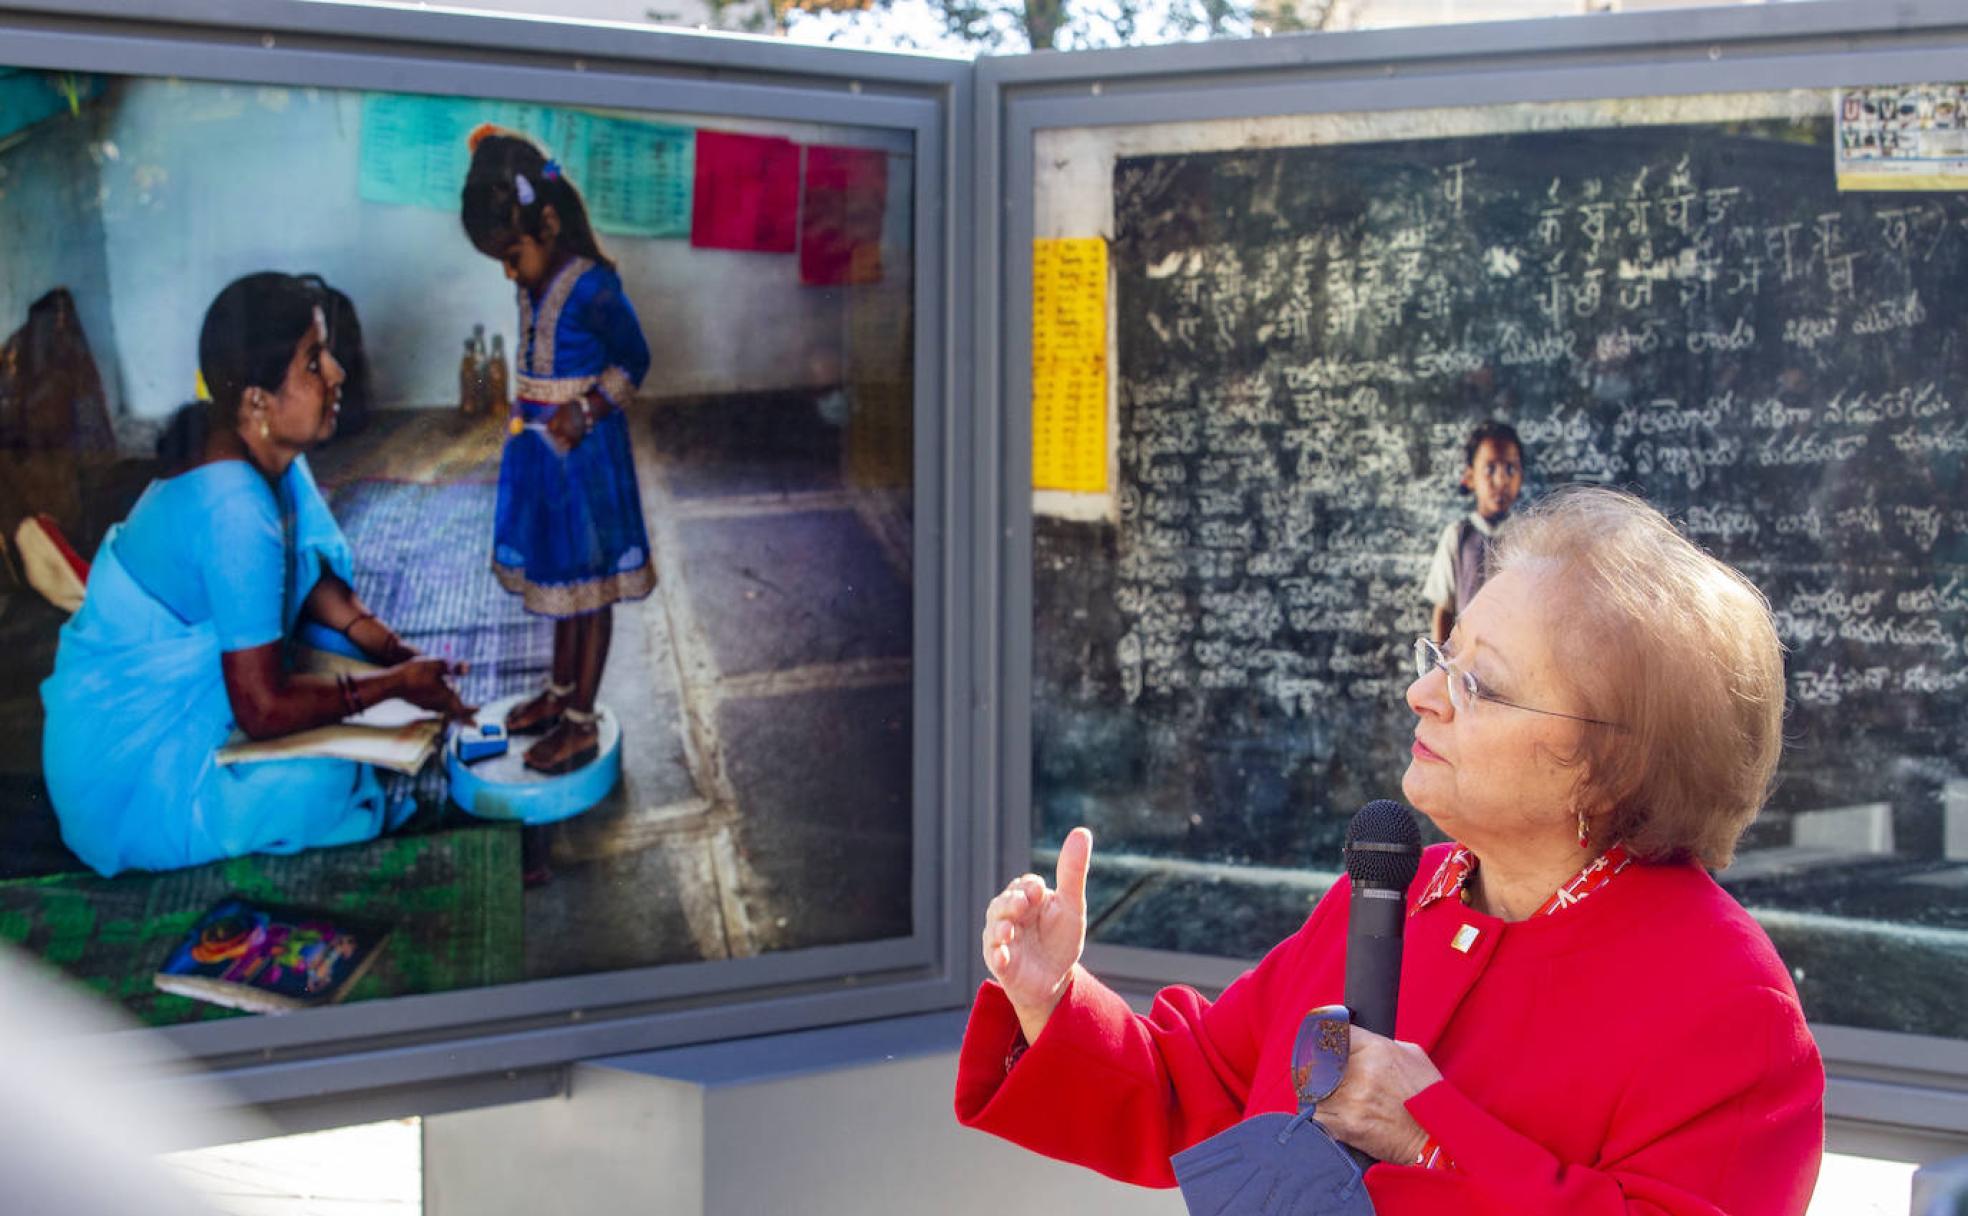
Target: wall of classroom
{"type": "Point", "coordinates": [48, 189]}
{"type": "Point", "coordinates": [176, 187]}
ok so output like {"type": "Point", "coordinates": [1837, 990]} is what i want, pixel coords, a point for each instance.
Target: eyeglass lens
{"type": "Point", "coordinates": [1462, 685]}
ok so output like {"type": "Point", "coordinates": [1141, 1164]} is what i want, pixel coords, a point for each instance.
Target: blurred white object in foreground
{"type": "Point", "coordinates": [83, 1114]}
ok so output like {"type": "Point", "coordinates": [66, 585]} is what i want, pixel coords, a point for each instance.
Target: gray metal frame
{"type": "Point", "coordinates": [1889, 1094]}
{"type": "Point", "coordinates": [420, 1054]}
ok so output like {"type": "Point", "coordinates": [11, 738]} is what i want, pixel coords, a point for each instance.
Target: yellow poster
{"type": "Point", "coordinates": [1069, 365]}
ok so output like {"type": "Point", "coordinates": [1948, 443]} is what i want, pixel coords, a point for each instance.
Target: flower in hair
{"type": "Point", "coordinates": [525, 189]}
{"type": "Point", "coordinates": [552, 170]}
{"type": "Point", "coordinates": [480, 133]}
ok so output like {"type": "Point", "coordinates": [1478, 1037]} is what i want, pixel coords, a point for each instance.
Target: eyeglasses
{"type": "Point", "coordinates": [1465, 691]}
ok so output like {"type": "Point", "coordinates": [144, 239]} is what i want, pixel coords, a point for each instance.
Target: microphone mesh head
{"type": "Point", "coordinates": [1392, 865]}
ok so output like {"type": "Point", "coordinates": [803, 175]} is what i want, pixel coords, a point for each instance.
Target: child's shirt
{"type": "Point", "coordinates": [1462, 554]}
{"type": "Point", "coordinates": [579, 333]}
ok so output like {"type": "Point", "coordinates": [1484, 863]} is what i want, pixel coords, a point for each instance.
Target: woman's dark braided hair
{"type": "Point", "coordinates": [495, 206]}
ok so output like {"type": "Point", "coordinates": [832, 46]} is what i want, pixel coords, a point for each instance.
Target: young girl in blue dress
{"type": "Point", "coordinates": [568, 537]}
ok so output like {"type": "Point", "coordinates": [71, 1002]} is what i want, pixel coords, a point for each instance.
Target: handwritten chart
{"type": "Point", "coordinates": [634, 176]}
{"type": "Point", "coordinates": [413, 148]}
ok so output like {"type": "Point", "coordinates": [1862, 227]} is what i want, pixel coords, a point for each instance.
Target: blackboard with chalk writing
{"type": "Point", "coordinates": [1306, 334]}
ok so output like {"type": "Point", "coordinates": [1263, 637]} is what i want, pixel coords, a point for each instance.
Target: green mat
{"type": "Point", "coordinates": [452, 900]}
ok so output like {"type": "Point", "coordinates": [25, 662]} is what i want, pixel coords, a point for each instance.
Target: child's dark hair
{"type": "Point", "coordinates": [1491, 430]}
{"type": "Point", "coordinates": [507, 190]}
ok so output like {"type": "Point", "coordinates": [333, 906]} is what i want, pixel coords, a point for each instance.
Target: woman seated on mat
{"type": "Point", "coordinates": [190, 602]}
{"type": "Point", "coordinates": [1587, 1023]}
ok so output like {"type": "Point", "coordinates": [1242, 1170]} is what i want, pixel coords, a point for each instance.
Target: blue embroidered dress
{"type": "Point", "coordinates": [568, 535]}
{"type": "Point", "coordinates": [210, 561]}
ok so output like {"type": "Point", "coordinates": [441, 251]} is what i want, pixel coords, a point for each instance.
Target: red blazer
{"type": "Point", "coordinates": [1643, 1051]}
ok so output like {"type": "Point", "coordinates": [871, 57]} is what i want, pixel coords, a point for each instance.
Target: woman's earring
{"type": "Point", "coordinates": [267, 433]}
{"type": "Point", "coordinates": [1585, 832]}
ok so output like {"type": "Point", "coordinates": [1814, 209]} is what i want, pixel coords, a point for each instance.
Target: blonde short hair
{"type": "Point", "coordinates": [1675, 646]}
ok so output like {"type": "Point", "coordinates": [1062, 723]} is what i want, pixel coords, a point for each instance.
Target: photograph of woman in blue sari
{"type": "Point", "coordinates": [181, 636]}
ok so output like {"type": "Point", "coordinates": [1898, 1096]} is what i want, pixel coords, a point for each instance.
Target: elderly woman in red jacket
{"type": "Point", "coordinates": [1587, 1023]}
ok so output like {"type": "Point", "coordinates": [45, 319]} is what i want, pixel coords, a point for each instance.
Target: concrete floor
{"type": "Point", "coordinates": [764, 692]}
{"type": "Point", "coordinates": [766, 686]}
{"type": "Point", "coordinates": [375, 1171]}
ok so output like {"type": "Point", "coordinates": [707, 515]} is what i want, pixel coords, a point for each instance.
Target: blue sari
{"type": "Point", "coordinates": [137, 705]}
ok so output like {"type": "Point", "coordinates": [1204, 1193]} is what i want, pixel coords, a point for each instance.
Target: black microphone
{"type": "Point", "coordinates": [1383, 850]}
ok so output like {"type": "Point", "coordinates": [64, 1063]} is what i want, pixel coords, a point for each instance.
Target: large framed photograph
{"type": "Point", "coordinates": [459, 541]}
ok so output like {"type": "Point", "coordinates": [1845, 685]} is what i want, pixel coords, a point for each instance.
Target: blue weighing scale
{"type": "Point", "coordinates": [503, 788]}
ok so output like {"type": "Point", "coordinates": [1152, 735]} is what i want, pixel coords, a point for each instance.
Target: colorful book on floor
{"type": "Point", "coordinates": [393, 734]}
{"type": "Point", "coordinates": [264, 959]}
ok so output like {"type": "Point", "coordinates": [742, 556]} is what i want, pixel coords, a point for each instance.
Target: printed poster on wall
{"type": "Point", "coordinates": [1069, 365]}
{"type": "Point", "coordinates": [1902, 137]}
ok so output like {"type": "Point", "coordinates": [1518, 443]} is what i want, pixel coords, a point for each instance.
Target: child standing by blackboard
{"type": "Point", "coordinates": [569, 536]}
{"type": "Point", "coordinates": [1492, 470]}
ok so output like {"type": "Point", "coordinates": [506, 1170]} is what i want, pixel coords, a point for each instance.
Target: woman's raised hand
{"type": "Point", "coordinates": [1033, 936]}
{"type": "Point", "coordinates": [426, 683]}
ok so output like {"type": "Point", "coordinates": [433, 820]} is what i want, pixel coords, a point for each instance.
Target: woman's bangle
{"type": "Point", "coordinates": [587, 415]}
{"type": "Point", "coordinates": [351, 697]}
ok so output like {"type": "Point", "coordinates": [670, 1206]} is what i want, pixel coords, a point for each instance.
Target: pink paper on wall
{"type": "Point", "coordinates": [841, 219]}
{"type": "Point", "coordinates": [747, 193]}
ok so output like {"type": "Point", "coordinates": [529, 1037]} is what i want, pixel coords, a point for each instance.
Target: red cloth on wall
{"type": "Point", "coordinates": [1643, 1052]}
{"type": "Point", "coordinates": [841, 219]}
{"type": "Point", "coordinates": [746, 195]}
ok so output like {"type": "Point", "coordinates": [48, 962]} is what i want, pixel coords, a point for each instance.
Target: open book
{"type": "Point", "coordinates": [391, 734]}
